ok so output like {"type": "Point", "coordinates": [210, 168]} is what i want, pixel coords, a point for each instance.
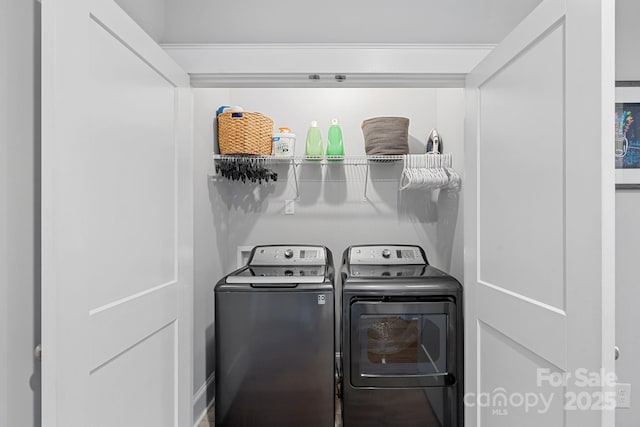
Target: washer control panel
{"type": "Point", "coordinates": [385, 255]}
{"type": "Point", "coordinates": [288, 255]}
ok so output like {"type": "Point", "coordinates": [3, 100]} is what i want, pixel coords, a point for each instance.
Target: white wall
{"type": "Point", "coordinates": [627, 40]}
{"type": "Point", "coordinates": [627, 297]}
{"type": "Point", "coordinates": [336, 21]}
{"type": "Point", "coordinates": [148, 14]}
{"type": "Point", "coordinates": [19, 276]}
{"type": "Point", "coordinates": [208, 240]}
{"type": "Point", "coordinates": [4, 138]}
{"type": "Point", "coordinates": [331, 209]}
{"type": "Point", "coordinates": [627, 229]}
{"type": "Point", "coordinates": [334, 204]}
{"type": "Point", "coordinates": [333, 212]}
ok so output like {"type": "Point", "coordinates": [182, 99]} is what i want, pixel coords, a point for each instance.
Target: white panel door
{"type": "Point", "coordinates": [539, 222]}
{"type": "Point", "coordinates": [117, 221]}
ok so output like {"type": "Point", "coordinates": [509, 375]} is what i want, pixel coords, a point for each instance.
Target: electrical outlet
{"type": "Point", "coordinates": [623, 395]}
{"type": "Point", "coordinates": [289, 207]}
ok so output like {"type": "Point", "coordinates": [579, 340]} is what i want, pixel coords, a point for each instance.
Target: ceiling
{"type": "Point", "coordinates": [330, 21]}
{"type": "Point", "coordinates": [358, 21]}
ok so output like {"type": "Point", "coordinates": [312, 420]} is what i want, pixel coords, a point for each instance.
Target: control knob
{"type": "Point", "coordinates": [386, 253]}
{"type": "Point", "coordinates": [288, 253]}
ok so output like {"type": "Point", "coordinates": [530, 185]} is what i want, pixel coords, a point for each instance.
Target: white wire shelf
{"type": "Point", "coordinates": [355, 160]}
{"type": "Point", "coordinates": [322, 160]}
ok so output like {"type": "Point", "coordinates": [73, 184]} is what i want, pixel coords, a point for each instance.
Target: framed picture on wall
{"type": "Point", "coordinates": [627, 136]}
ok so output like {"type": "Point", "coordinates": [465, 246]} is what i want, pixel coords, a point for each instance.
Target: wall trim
{"type": "Point", "coordinates": [279, 46]}
{"type": "Point", "coordinates": [324, 80]}
{"type": "Point", "coordinates": [627, 83]}
{"type": "Point", "coordinates": [198, 397]}
{"type": "Point", "coordinates": [254, 65]}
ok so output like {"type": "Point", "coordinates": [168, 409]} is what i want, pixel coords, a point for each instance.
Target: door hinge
{"type": "Point", "coordinates": [37, 352]}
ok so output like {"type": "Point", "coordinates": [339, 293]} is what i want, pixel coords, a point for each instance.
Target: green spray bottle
{"type": "Point", "coordinates": [335, 146]}
{"type": "Point", "coordinates": [313, 148]}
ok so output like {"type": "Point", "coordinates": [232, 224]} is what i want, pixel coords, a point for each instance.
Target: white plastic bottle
{"type": "Point", "coordinates": [284, 143]}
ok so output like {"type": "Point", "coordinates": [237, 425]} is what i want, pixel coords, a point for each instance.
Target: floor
{"type": "Point", "coordinates": [210, 419]}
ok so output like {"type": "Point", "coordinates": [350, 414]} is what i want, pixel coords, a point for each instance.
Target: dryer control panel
{"type": "Point", "coordinates": [386, 255]}
{"type": "Point", "coordinates": [288, 255]}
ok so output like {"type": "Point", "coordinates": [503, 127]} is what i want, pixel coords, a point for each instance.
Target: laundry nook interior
{"type": "Point", "coordinates": [357, 214]}
{"type": "Point", "coordinates": [337, 204]}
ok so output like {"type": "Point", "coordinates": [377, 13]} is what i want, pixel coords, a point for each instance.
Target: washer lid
{"type": "Point", "coordinates": [279, 274]}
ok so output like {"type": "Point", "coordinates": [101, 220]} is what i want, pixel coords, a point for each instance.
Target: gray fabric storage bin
{"type": "Point", "coordinates": [385, 136]}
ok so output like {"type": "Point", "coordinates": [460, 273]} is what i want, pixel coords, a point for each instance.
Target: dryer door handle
{"type": "Point", "coordinates": [439, 379]}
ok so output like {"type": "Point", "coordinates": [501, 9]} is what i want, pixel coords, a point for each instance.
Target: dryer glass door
{"type": "Point", "coordinates": [402, 344]}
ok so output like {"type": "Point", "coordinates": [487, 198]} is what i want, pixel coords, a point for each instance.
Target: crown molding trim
{"type": "Point", "coordinates": [364, 65]}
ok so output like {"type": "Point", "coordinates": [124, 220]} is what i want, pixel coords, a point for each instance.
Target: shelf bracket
{"type": "Point", "coordinates": [295, 179]}
{"type": "Point", "coordinates": [366, 182]}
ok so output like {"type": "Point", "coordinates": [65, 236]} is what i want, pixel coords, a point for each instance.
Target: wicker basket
{"type": "Point", "coordinates": [245, 133]}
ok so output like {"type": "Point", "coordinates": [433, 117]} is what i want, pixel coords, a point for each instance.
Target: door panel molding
{"type": "Point", "coordinates": [540, 328]}
{"type": "Point", "coordinates": [112, 18]}
{"type": "Point", "coordinates": [520, 186]}
{"type": "Point", "coordinates": [548, 15]}
{"type": "Point", "coordinates": [159, 308]}
{"type": "Point", "coordinates": [124, 350]}
{"type": "Point", "coordinates": [136, 396]}
{"type": "Point", "coordinates": [130, 298]}
{"type": "Point", "coordinates": [521, 374]}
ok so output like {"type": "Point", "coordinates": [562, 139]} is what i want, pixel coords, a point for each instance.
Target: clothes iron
{"type": "Point", "coordinates": [434, 142]}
